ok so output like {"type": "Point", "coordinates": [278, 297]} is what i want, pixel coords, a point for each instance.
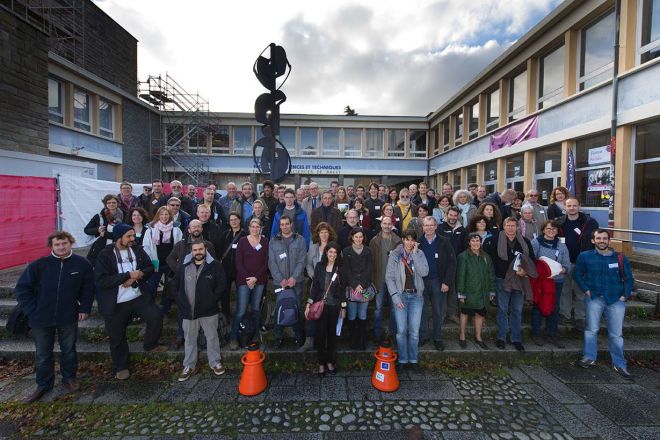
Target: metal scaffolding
{"type": "Point", "coordinates": [182, 145]}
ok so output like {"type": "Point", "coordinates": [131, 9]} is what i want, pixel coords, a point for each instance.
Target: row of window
{"type": "Point", "coordinates": [80, 102]}
{"type": "Point", "coordinates": [304, 141]}
{"type": "Point", "coordinates": [595, 65]}
{"type": "Point", "coordinates": [592, 169]}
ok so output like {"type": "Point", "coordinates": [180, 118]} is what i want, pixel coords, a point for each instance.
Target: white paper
{"type": "Point", "coordinates": [234, 246]}
{"type": "Point", "coordinates": [577, 231]}
{"type": "Point", "coordinates": [283, 256]}
{"type": "Point", "coordinates": [548, 166]}
{"type": "Point", "coordinates": [340, 321]}
{"type": "Point", "coordinates": [614, 265]}
{"type": "Point", "coordinates": [258, 246]}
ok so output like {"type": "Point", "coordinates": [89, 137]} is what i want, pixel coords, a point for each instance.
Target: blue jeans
{"type": "Point", "coordinates": [434, 304]}
{"type": "Point", "coordinates": [407, 327]}
{"type": "Point", "coordinates": [552, 321]}
{"type": "Point", "coordinates": [44, 341]}
{"type": "Point", "coordinates": [509, 312]}
{"type": "Point", "coordinates": [614, 313]}
{"type": "Point", "coordinates": [383, 299]}
{"type": "Point", "coordinates": [357, 310]}
{"type": "Point", "coordinates": [245, 296]}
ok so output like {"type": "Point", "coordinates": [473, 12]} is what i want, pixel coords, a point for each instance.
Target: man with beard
{"type": "Point", "coordinates": [269, 198]}
{"type": "Point", "coordinates": [197, 285]}
{"type": "Point", "coordinates": [177, 191]}
{"type": "Point", "coordinates": [156, 199]}
{"type": "Point", "coordinates": [452, 229]}
{"type": "Point", "coordinates": [606, 279]}
{"type": "Point", "coordinates": [244, 204]}
{"type": "Point", "coordinates": [217, 213]}
{"type": "Point", "coordinates": [210, 230]}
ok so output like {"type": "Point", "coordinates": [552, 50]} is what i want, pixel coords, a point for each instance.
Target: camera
{"type": "Point", "coordinates": [135, 285]}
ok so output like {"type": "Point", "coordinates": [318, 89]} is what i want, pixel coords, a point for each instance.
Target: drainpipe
{"type": "Point", "coordinates": [615, 96]}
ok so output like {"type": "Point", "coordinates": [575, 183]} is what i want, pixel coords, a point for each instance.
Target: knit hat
{"type": "Point", "coordinates": [120, 229]}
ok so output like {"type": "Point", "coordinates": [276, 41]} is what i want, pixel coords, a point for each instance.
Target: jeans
{"type": "Point", "coordinates": [572, 298]}
{"type": "Point", "coordinates": [434, 303]}
{"type": "Point", "coordinates": [245, 296]}
{"type": "Point", "coordinates": [191, 329]}
{"type": "Point", "coordinates": [383, 299]}
{"type": "Point", "coordinates": [357, 310]}
{"type": "Point", "coordinates": [44, 341]}
{"type": "Point", "coordinates": [614, 313]}
{"type": "Point", "coordinates": [152, 285]}
{"type": "Point", "coordinates": [407, 327]}
{"type": "Point", "coordinates": [298, 328]}
{"type": "Point", "coordinates": [509, 312]}
{"type": "Point", "coordinates": [552, 321]}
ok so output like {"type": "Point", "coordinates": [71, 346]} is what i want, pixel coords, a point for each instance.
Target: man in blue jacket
{"type": "Point", "coordinates": [56, 292]}
{"type": "Point", "coordinates": [607, 284]}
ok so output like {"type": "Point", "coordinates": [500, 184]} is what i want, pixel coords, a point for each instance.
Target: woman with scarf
{"type": "Point", "coordinates": [127, 201]}
{"type": "Point", "coordinates": [493, 216]}
{"type": "Point", "coordinates": [406, 269]}
{"type": "Point", "coordinates": [548, 245]}
{"type": "Point", "coordinates": [226, 252]}
{"type": "Point", "coordinates": [529, 227]}
{"type": "Point", "coordinates": [404, 210]}
{"type": "Point", "coordinates": [159, 240]}
{"type": "Point", "coordinates": [440, 210]}
{"type": "Point", "coordinates": [138, 219]}
{"type": "Point", "coordinates": [557, 199]}
{"type": "Point", "coordinates": [463, 201]}
{"type": "Point", "coordinates": [102, 224]}
{"type": "Point", "coordinates": [328, 286]}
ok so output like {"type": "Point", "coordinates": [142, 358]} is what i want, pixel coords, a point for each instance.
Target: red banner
{"type": "Point", "coordinates": [27, 217]}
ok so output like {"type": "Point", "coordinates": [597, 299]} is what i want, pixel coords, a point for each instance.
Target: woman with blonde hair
{"type": "Point", "coordinates": [557, 199]}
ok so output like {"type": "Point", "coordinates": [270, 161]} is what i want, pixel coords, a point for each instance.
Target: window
{"type": "Point", "coordinates": [82, 110]}
{"type": "Point", "coordinates": [458, 129]}
{"type": "Point", "coordinates": [493, 106]}
{"type": "Point", "coordinates": [106, 119]}
{"type": "Point", "coordinates": [490, 176]}
{"type": "Point", "coordinates": [243, 140]}
{"type": "Point", "coordinates": [592, 170]}
{"type": "Point", "coordinates": [596, 52]}
{"type": "Point", "coordinates": [471, 175]}
{"type": "Point", "coordinates": [309, 141]}
{"type": "Point", "coordinates": [220, 139]}
{"type": "Point", "coordinates": [457, 180]}
{"type": "Point", "coordinates": [288, 139]}
{"type": "Point", "coordinates": [352, 142]}
{"type": "Point", "coordinates": [330, 142]}
{"type": "Point", "coordinates": [650, 43]}
{"type": "Point", "coordinates": [548, 160]}
{"type": "Point", "coordinates": [473, 125]}
{"type": "Point", "coordinates": [647, 166]}
{"type": "Point", "coordinates": [55, 100]}
{"type": "Point", "coordinates": [198, 140]}
{"type": "Point", "coordinates": [418, 143]}
{"type": "Point", "coordinates": [517, 96]}
{"type": "Point", "coordinates": [551, 78]}
{"type": "Point", "coordinates": [396, 143]}
{"type": "Point", "coordinates": [374, 142]}
{"type": "Point", "coordinates": [445, 135]}
{"type": "Point", "coordinates": [514, 167]}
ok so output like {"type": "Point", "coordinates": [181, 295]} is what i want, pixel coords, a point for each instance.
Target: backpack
{"type": "Point", "coordinates": [247, 328]}
{"type": "Point", "coordinates": [286, 308]}
{"type": "Point", "coordinates": [223, 332]}
{"type": "Point", "coordinates": [17, 322]}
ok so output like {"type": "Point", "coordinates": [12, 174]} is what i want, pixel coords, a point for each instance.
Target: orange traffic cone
{"type": "Point", "coordinates": [253, 379]}
{"type": "Point", "coordinates": [385, 377]}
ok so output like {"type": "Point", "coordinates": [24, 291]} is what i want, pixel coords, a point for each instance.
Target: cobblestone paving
{"type": "Point", "coordinates": [523, 403]}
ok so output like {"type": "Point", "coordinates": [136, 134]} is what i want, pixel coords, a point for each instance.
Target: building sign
{"type": "Point", "coordinates": [599, 155]}
{"type": "Point", "coordinates": [316, 169]}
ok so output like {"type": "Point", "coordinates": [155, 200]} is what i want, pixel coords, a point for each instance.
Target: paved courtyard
{"type": "Point", "coordinates": [522, 402]}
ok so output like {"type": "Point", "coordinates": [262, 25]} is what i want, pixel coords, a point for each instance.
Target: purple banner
{"type": "Point", "coordinates": [523, 130]}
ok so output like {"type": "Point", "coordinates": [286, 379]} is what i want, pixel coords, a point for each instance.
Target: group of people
{"type": "Point", "coordinates": [430, 257]}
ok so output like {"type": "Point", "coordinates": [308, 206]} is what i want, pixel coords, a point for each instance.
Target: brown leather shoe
{"type": "Point", "coordinates": [72, 385]}
{"type": "Point", "coordinates": [158, 349]}
{"type": "Point", "coordinates": [36, 395]}
{"type": "Point", "coordinates": [122, 375]}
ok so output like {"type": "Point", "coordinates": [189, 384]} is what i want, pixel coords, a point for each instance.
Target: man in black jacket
{"type": "Point", "coordinates": [197, 284]}
{"type": "Point", "coordinates": [55, 293]}
{"type": "Point", "coordinates": [121, 274]}
{"type": "Point", "coordinates": [452, 230]}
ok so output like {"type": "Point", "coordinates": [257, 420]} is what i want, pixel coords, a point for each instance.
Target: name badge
{"type": "Point", "coordinates": [436, 255]}
{"type": "Point", "coordinates": [458, 232]}
{"type": "Point", "coordinates": [377, 208]}
{"type": "Point", "coordinates": [562, 239]}
{"type": "Point", "coordinates": [613, 265]}
{"type": "Point", "coordinates": [258, 246]}
{"type": "Point", "coordinates": [541, 211]}
{"type": "Point", "coordinates": [334, 276]}
{"type": "Point", "coordinates": [556, 253]}
{"type": "Point", "coordinates": [535, 234]}
{"type": "Point", "coordinates": [154, 201]}
{"type": "Point", "coordinates": [283, 256]}
{"type": "Point", "coordinates": [215, 216]}
{"type": "Point", "coordinates": [577, 231]}
{"type": "Point", "coordinates": [234, 246]}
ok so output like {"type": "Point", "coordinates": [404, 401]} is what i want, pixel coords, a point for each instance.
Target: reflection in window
{"type": "Point", "coordinates": [493, 105]}
{"type": "Point", "coordinates": [647, 166]}
{"type": "Point", "coordinates": [458, 129]}
{"type": "Point", "coordinates": [288, 139]}
{"type": "Point", "coordinates": [418, 143]}
{"type": "Point", "coordinates": [106, 119]}
{"type": "Point", "coordinates": [309, 141]}
{"type": "Point", "coordinates": [81, 110]}
{"type": "Point", "coordinates": [471, 175]}
{"type": "Point", "coordinates": [352, 142]}
{"type": "Point", "coordinates": [55, 100]}
{"type": "Point", "coordinates": [220, 139]}
{"type": "Point", "coordinates": [474, 120]}
{"type": "Point", "coordinates": [330, 142]}
{"type": "Point", "coordinates": [490, 171]}
{"type": "Point", "coordinates": [374, 142]}
{"type": "Point", "coordinates": [596, 52]}
{"type": "Point", "coordinates": [445, 135]}
{"type": "Point", "coordinates": [514, 167]}
{"type": "Point", "coordinates": [396, 142]}
{"type": "Point", "coordinates": [551, 78]}
{"type": "Point", "coordinates": [243, 140]}
{"type": "Point", "coordinates": [650, 44]}
{"type": "Point", "coordinates": [518, 96]}
{"type": "Point", "coordinates": [548, 160]}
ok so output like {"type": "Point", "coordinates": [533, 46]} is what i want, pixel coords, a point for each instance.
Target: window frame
{"type": "Point", "coordinates": [378, 152]}
{"type": "Point", "coordinates": [243, 151]}
{"type": "Point", "coordinates": [216, 130]}
{"type": "Point", "coordinates": [635, 163]}
{"type": "Point", "coordinates": [648, 47]}
{"type": "Point", "coordinates": [493, 125]}
{"type": "Point", "coordinates": [104, 131]}
{"type": "Point", "coordinates": [78, 123]}
{"type": "Point", "coordinates": [391, 135]}
{"type": "Point", "coordinates": [515, 114]}
{"type": "Point", "coordinates": [54, 116]}
{"type": "Point", "coordinates": [356, 150]}
{"type": "Point", "coordinates": [458, 132]}
{"type": "Point", "coordinates": [313, 132]}
{"type": "Point", "coordinates": [473, 134]}
{"type": "Point", "coordinates": [582, 79]}
{"type": "Point", "coordinates": [416, 153]}
{"type": "Point", "coordinates": [330, 153]}
{"type": "Point", "coordinates": [541, 98]}
{"type": "Point", "coordinates": [446, 134]}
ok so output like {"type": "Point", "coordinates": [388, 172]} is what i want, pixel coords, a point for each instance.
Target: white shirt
{"type": "Point", "coordinates": [126, 294]}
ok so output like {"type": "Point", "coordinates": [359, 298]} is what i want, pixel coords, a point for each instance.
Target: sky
{"type": "Point", "coordinates": [384, 57]}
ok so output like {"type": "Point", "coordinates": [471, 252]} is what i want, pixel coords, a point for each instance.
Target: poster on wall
{"type": "Point", "coordinates": [599, 155]}
{"type": "Point", "coordinates": [598, 180]}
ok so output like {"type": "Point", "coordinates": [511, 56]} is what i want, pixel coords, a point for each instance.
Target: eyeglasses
{"type": "Point", "coordinates": [174, 204]}
{"type": "Point", "coordinates": [533, 195]}
{"type": "Point", "coordinates": [404, 197]}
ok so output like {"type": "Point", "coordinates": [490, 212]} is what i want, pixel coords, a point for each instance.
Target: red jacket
{"type": "Point", "coordinates": [543, 288]}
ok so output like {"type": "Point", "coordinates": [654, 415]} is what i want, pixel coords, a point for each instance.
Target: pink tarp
{"type": "Point", "coordinates": [514, 134]}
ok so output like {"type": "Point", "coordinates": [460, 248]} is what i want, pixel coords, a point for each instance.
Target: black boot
{"type": "Point", "coordinates": [362, 334]}
{"type": "Point", "coordinates": [352, 334]}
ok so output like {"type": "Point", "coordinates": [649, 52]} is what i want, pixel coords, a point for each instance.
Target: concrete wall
{"type": "Point", "coordinates": [23, 86]}
{"type": "Point", "coordinates": [140, 125]}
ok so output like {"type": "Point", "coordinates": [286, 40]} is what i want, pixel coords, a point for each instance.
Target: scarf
{"type": "Point", "coordinates": [522, 224]}
{"type": "Point", "coordinates": [503, 244]}
{"type": "Point", "coordinates": [464, 208]}
{"type": "Point", "coordinates": [110, 218]}
{"type": "Point", "coordinates": [127, 201]}
{"type": "Point", "coordinates": [551, 244]}
{"type": "Point", "coordinates": [406, 216]}
{"type": "Point", "coordinates": [160, 228]}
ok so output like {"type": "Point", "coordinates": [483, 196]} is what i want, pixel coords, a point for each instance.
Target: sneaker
{"type": "Point", "coordinates": [623, 372]}
{"type": "Point", "coordinates": [186, 373]}
{"type": "Point", "coordinates": [218, 370]}
{"type": "Point", "coordinates": [537, 341]}
{"type": "Point", "coordinates": [481, 344]}
{"type": "Point", "coordinates": [500, 344]}
{"type": "Point", "coordinates": [122, 375]}
{"type": "Point", "coordinates": [554, 340]}
{"type": "Point", "coordinates": [585, 363]}
{"type": "Point", "coordinates": [233, 344]}
{"type": "Point", "coordinates": [462, 343]}
{"type": "Point", "coordinates": [519, 346]}
{"type": "Point", "coordinates": [439, 345]}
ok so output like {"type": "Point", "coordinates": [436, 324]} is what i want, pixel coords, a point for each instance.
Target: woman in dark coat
{"type": "Point", "coordinates": [357, 269]}
{"type": "Point", "coordinates": [327, 278]}
{"type": "Point", "coordinates": [101, 225]}
{"type": "Point", "coordinates": [226, 252]}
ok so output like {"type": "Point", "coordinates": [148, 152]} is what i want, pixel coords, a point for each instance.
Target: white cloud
{"type": "Point", "coordinates": [377, 56]}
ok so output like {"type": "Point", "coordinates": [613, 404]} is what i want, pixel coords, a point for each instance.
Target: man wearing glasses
{"type": "Point", "coordinates": [540, 214]}
{"type": "Point", "coordinates": [181, 218]}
